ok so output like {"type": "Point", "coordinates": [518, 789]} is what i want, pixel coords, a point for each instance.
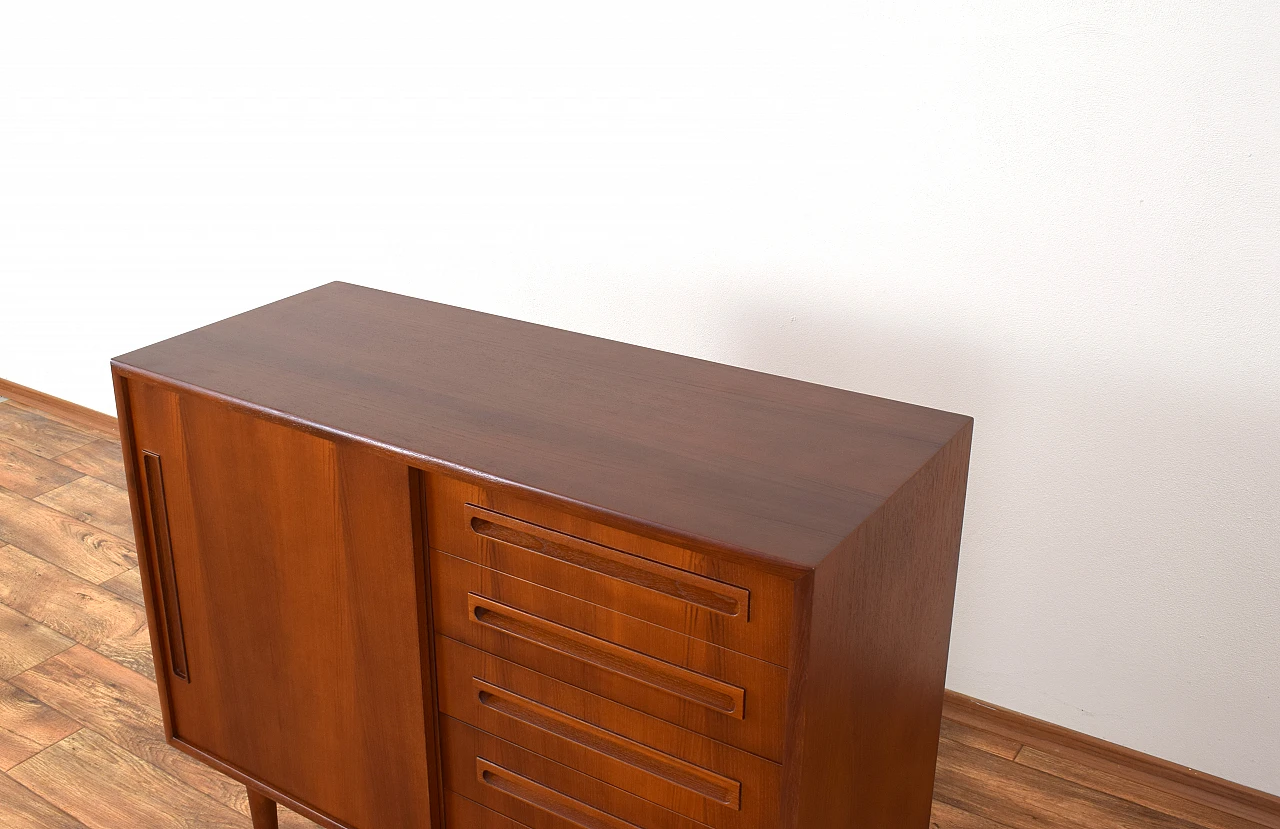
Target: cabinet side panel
{"type": "Point", "coordinates": [881, 629]}
{"type": "Point", "coordinates": [294, 558]}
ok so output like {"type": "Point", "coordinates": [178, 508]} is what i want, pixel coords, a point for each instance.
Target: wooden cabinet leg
{"type": "Point", "coordinates": [263, 810]}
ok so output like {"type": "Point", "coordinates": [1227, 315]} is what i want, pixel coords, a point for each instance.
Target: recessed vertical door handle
{"type": "Point", "coordinates": [162, 547]}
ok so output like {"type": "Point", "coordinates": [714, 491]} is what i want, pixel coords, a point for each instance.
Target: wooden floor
{"type": "Point", "coordinates": [81, 743]}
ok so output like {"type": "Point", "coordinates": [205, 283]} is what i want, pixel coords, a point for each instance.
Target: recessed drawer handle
{"type": "Point", "coordinates": [709, 594]}
{"type": "Point", "coordinates": [696, 779]}
{"type": "Point", "coordinates": [673, 679]}
{"type": "Point", "coordinates": [548, 800]}
{"type": "Point", "coordinates": [161, 544]}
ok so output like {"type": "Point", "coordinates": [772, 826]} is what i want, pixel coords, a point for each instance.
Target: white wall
{"type": "Point", "coordinates": [1062, 218]}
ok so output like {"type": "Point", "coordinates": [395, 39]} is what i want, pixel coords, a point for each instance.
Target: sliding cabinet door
{"type": "Point", "coordinates": [283, 583]}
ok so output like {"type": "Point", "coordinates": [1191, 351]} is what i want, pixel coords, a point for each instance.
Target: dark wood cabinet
{"type": "Point", "coordinates": [408, 565]}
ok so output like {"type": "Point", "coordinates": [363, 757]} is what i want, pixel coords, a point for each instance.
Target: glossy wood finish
{"type": "Point", "coordinates": [675, 767]}
{"type": "Point", "coordinates": [686, 685]}
{"type": "Point", "coordinates": [633, 754]}
{"type": "Point", "coordinates": [777, 469]}
{"type": "Point", "coordinates": [694, 591]}
{"type": "Point", "coordinates": [721, 550]}
{"type": "Point", "coordinates": [727, 696]}
{"type": "Point", "coordinates": [263, 811]}
{"type": "Point", "coordinates": [289, 573]}
{"type": "Point", "coordinates": [745, 609]}
{"type": "Point", "coordinates": [997, 770]}
{"type": "Point", "coordinates": [867, 700]}
{"type": "Point", "coordinates": [538, 792]}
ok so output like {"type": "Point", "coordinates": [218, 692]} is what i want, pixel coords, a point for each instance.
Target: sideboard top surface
{"type": "Point", "coordinates": [728, 457]}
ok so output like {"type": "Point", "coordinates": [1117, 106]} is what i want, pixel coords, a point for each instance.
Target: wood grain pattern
{"type": "Point", "coordinates": [38, 434]}
{"type": "Point", "coordinates": [299, 608]}
{"type": "Point", "coordinates": [775, 468]}
{"type": "Point", "coordinates": [764, 685]}
{"type": "Point", "coordinates": [64, 411]}
{"type": "Point", "coordinates": [547, 799]}
{"type": "Point", "coordinates": [1053, 753]}
{"type": "Point", "coordinates": [946, 816]}
{"type": "Point", "coordinates": [685, 788]}
{"type": "Point", "coordinates": [997, 744]}
{"type": "Point", "coordinates": [1104, 780]}
{"type": "Point", "coordinates": [94, 502]}
{"type": "Point", "coordinates": [85, 774]}
{"type": "Point", "coordinates": [27, 726]}
{"type": "Point", "coordinates": [21, 808]}
{"type": "Point", "coordinates": [28, 474]}
{"type": "Point", "coordinates": [462, 745]}
{"type": "Point", "coordinates": [878, 646]}
{"type": "Point", "coordinates": [123, 707]}
{"type": "Point", "coordinates": [75, 608]}
{"type": "Point", "coordinates": [759, 779]}
{"type": "Point", "coordinates": [26, 642]}
{"type": "Point", "coordinates": [519, 709]}
{"type": "Point", "coordinates": [764, 631]}
{"type": "Point", "coordinates": [127, 585]}
{"type": "Point", "coordinates": [764, 474]}
{"type": "Point", "coordinates": [73, 545]}
{"type": "Point", "coordinates": [472, 815]}
{"type": "Point", "coordinates": [102, 459]}
{"type": "Point", "coordinates": [855, 503]}
{"type": "Point", "coordinates": [699, 591]}
{"type": "Point", "coordinates": [1175, 781]}
{"type": "Point", "coordinates": [1020, 797]}
{"type": "Point", "coordinates": [720, 697]}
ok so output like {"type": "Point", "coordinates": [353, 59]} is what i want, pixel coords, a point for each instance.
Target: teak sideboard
{"type": "Point", "coordinates": [408, 565]}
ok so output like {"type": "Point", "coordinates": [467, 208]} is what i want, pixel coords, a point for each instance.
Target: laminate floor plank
{"type": "Point", "coordinates": [94, 502]}
{"type": "Point", "coordinates": [25, 642]}
{"type": "Point", "coordinates": [29, 475]}
{"type": "Point", "coordinates": [127, 585]}
{"type": "Point", "coordinates": [28, 726]}
{"type": "Point", "coordinates": [946, 816]}
{"type": "Point", "coordinates": [85, 612]}
{"type": "Point", "coordinates": [980, 738]}
{"type": "Point", "coordinates": [29, 429]}
{"type": "Point", "coordinates": [1257, 809]}
{"type": "Point", "coordinates": [14, 748]}
{"type": "Point", "coordinates": [123, 707]}
{"type": "Point", "coordinates": [1100, 779]}
{"type": "Point", "coordinates": [21, 808]}
{"type": "Point", "coordinates": [1021, 797]}
{"type": "Point", "coordinates": [77, 547]}
{"type": "Point", "coordinates": [106, 787]}
{"type": "Point", "coordinates": [99, 430]}
{"type": "Point", "coordinates": [103, 459]}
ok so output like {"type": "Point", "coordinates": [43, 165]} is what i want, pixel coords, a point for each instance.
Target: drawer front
{"type": "Point", "coordinates": [461, 813]}
{"type": "Point", "coordinates": [740, 608]}
{"type": "Point", "coordinates": [539, 792]}
{"type": "Point", "coordinates": [687, 773]}
{"type": "Point", "coordinates": [703, 688]}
